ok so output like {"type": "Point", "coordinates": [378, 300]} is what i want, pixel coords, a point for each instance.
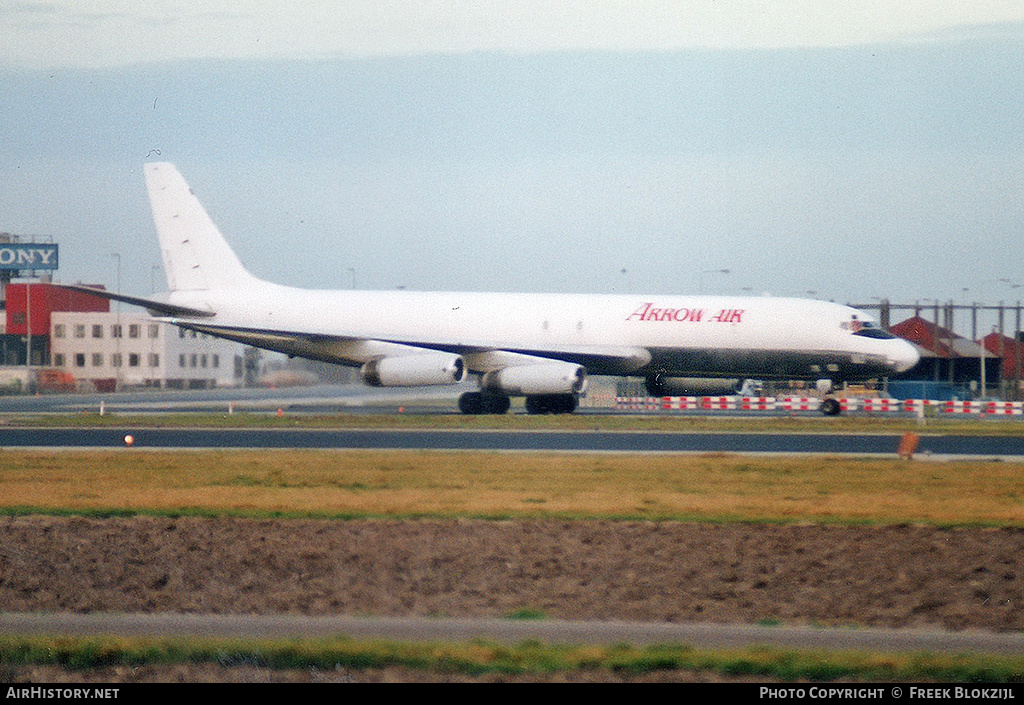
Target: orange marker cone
{"type": "Point", "coordinates": [908, 445]}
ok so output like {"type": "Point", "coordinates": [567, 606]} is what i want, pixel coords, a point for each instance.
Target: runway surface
{"type": "Point", "coordinates": [512, 631]}
{"type": "Point", "coordinates": [566, 441]}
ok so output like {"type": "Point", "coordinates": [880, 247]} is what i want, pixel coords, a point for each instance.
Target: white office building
{"type": "Point", "coordinates": [111, 351]}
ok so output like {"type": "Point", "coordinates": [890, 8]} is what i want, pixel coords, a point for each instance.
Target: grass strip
{"type": "Point", "coordinates": [439, 484]}
{"type": "Point", "coordinates": [970, 425]}
{"type": "Point", "coordinates": [530, 657]}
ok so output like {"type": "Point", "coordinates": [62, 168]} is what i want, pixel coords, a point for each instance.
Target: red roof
{"type": "Point", "coordinates": [1009, 349]}
{"type": "Point", "coordinates": [929, 336]}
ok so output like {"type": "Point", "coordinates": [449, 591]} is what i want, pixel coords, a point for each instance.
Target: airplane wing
{"type": "Point", "coordinates": [479, 357]}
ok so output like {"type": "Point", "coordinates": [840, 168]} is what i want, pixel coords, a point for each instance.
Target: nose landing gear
{"type": "Point", "coordinates": [830, 406]}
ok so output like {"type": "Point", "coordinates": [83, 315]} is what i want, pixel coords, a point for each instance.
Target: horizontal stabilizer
{"type": "Point", "coordinates": [156, 308]}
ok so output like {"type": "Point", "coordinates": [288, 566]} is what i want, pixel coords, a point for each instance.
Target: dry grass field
{"type": "Point", "coordinates": [408, 484]}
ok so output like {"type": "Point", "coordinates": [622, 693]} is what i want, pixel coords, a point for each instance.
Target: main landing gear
{"type": "Point", "coordinates": [551, 404]}
{"type": "Point", "coordinates": [477, 403]}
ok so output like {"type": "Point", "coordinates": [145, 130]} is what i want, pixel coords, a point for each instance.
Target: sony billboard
{"type": "Point", "coordinates": [28, 256]}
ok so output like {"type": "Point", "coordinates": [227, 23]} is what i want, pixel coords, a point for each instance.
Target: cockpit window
{"type": "Point", "coordinates": [866, 329]}
{"type": "Point", "coordinates": [869, 331]}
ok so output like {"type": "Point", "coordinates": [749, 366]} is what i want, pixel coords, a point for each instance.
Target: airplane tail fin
{"type": "Point", "coordinates": [196, 255]}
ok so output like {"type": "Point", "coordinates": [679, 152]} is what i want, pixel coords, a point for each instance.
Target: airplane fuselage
{"type": "Point", "coordinates": [698, 336]}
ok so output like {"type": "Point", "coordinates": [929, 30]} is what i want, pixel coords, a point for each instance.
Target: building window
{"type": "Point", "coordinates": [115, 330]}
{"type": "Point", "coordinates": [133, 330]}
{"type": "Point", "coordinates": [133, 358]}
{"type": "Point", "coordinates": [58, 360]}
{"type": "Point", "coordinates": [79, 330]}
{"type": "Point", "coordinates": [154, 331]}
{"type": "Point", "coordinates": [97, 331]}
{"type": "Point", "coordinates": [154, 360]}
{"type": "Point", "coordinates": [18, 318]}
{"type": "Point", "coordinates": [79, 359]}
{"type": "Point", "coordinates": [193, 360]}
{"type": "Point", "coordinates": [181, 361]}
{"type": "Point", "coordinates": [115, 360]}
{"type": "Point", "coordinates": [97, 359]}
{"type": "Point", "coordinates": [216, 361]}
{"type": "Point", "coordinates": [58, 330]}
{"type": "Point", "coordinates": [202, 361]}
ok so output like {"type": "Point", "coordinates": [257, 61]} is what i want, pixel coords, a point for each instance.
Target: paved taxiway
{"type": "Point", "coordinates": [512, 631]}
{"type": "Point", "coordinates": [321, 398]}
{"type": "Point", "coordinates": [565, 441]}
{"type": "Point", "coordinates": [358, 399]}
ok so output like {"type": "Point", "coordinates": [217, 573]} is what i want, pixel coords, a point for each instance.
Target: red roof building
{"type": "Point", "coordinates": [29, 310]}
{"type": "Point", "coordinates": [934, 339]}
{"type": "Point", "coordinates": [945, 356]}
{"type": "Point", "coordinates": [39, 300]}
{"type": "Point", "coordinates": [1010, 350]}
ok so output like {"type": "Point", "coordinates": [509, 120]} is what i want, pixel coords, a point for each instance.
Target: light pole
{"type": "Point", "coordinates": [1000, 352]}
{"type": "Point", "coordinates": [117, 327]}
{"type": "Point", "coordinates": [28, 322]}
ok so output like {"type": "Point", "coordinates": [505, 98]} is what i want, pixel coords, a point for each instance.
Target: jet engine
{"type": "Point", "coordinates": [541, 378]}
{"type": "Point", "coordinates": [414, 370]}
{"type": "Point", "coordinates": [692, 386]}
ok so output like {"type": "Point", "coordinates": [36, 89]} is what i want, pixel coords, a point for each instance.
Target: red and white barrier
{"type": "Point", "coordinates": [717, 403]}
{"type": "Point", "coordinates": [1002, 408]}
{"type": "Point", "coordinates": [690, 403]}
{"type": "Point", "coordinates": [881, 405]}
{"type": "Point", "coordinates": [960, 407]}
{"type": "Point", "coordinates": [638, 403]}
{"type": "Point", "coordinates": [800, 403]}
{"type": "Point", "coordinates": [757, 403]}
{"type": "Point", "coordinates": [864, 404]}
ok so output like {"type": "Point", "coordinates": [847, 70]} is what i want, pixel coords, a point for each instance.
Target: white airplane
{"type": "Point", "coordinates": [541, 346]}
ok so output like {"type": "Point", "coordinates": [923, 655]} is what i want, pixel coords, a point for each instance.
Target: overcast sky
{"type": "Point", "coordinates": [109, 32]}
{"type": "Point", "coordinates": [852, 150]}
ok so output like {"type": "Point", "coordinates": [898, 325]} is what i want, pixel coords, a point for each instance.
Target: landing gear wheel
{"type": "Point", "coordinates": [471, 403]}
{"type": "Point", "coordinates": [551, 403]}
{"type": "Point", "coordinates": [831, 407]}
{"type": "Point", "coordinates": [496, 404]}
{"type": "Point", "coordinates": [478, 403]}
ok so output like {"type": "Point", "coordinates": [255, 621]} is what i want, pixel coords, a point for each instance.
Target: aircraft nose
{"type": "Point", "coordinates": [903, 356]}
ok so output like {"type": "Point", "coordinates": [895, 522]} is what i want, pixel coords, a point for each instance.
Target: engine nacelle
{"type": "Point", "coordinates": [541, 378]}
{"type": "Point", "coordinates": [414, 370]}
{"type": "Point", "coordinates": [692, 386]}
